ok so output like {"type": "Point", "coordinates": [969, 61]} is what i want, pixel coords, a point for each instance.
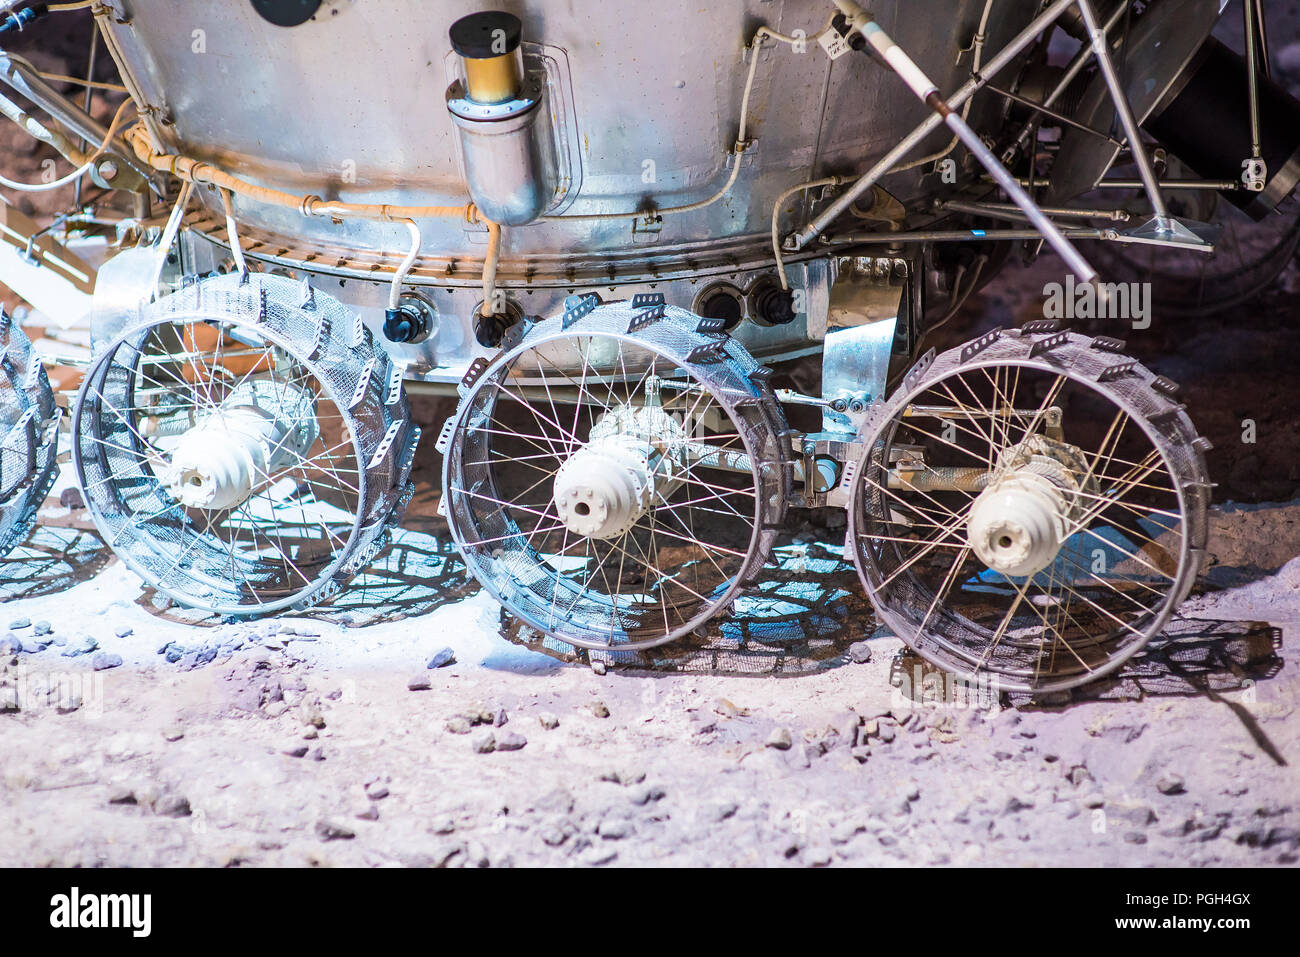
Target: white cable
{"type": "Point", "coordinates": [235, 249]}
{"type": "Point", "coordinates": [395, 291]}
{"type": "Point", "coordinates": [170, 230]}
{"type": "Point", "coordinates": [42, 187]}
{"type": "Point", "coordinates": [776, 213]}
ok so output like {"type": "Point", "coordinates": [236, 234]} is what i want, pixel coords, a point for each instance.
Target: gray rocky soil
{"type": "Point", "coordinates": [791, 734]}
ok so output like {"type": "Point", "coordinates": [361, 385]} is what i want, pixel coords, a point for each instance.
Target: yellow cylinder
{"type": "Point", "coordinates": [493, 79]}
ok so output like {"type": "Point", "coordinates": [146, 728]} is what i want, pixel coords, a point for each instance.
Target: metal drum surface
{"type": "Point", "coordinates": [645, 99]}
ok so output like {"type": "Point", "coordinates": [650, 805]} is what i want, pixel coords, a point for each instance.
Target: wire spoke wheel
{"type": "Point", "coordinates": [29, 423]}
{"type": "Point", "coordinates": [246, 448]}
{"type": "Point", "coordinates": [614, 489]}
{"type": "Point", "coordinates": [1031, 509]}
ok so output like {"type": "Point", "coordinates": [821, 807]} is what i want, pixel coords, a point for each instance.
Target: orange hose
{"type": "Point", "coordinates": [195, 171]}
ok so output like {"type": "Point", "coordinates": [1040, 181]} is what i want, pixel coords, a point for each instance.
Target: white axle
{"type": "Point", "coordinates": [262, 426]}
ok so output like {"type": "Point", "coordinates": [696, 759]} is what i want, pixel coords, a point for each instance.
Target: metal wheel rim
{"type": "Point", "coordinates": [99, 371]}
{"type": "Point", "coordinates": [497, 368]}
{"type": "Point", "coordinates": [889, 419]}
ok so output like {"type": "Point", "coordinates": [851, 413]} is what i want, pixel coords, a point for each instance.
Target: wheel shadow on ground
{"type": "Point", "coordinates": [801, 617]}
{"type": "Point", "coordinates": [1193, 657]}
{"type": "Point", "coordinates": [417, 573]}
{"type": "Point", "coordinates": [52, 559]}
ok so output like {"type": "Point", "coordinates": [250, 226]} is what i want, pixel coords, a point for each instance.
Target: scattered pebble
{"type": "Point", "coordinates": [419, 683]}
{"type": "Point", "coordinates": [42, 628]}
{"type": "Point", "coordinates": [458, 725]}
{"type": "Point", "coordinates": [105, 660]}
{"type": "Point", "coordinates": [599, 709]}
{"type": "Point", "coordinates": [442, 658]}
{"type": "Point", "coordinates": [299, 751]}
{"type": "Point", "coordinates": [548, 721]}
{"type": "Point", "coordinates": [1170, 783]}
{"type": "Point", "coordinates": [371, 813]}
{"type": "Point", "coordinates": [124, 632]}
{"type": "Point", "coordinates": [172, 805]}
{"type": "Point", "coordinates": [10, 645]}
{"type": "Point", "coordinates": [80, 645]}
{"type": "Point", "coordinates": [333, 831]}
{"type": "Point", "coordinates": [19, 623]}
{"type": "Point", "coordinates": [598, 666]}
{"type": "Point", "coordinates": [70, 498]}
{"type": "Point", "coordinates": [510, 741]}
{"type": "Point", "coordinates": [780, 739]}
{"type": "Point", "coordinates": [484, 743]}
{"type": "Point", "coordinates": [860, 652]}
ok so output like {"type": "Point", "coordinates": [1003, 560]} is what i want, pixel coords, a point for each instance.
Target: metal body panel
{"type": "Point", "coordinates": [350, 105]}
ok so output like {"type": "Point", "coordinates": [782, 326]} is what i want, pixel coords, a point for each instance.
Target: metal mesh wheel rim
{"type": "Point", "coordinates": [519, 578]}
{"type": "Point", "coordinates": [311, 332]}
{"type": "Point", "coordinates": [946, 638]}
{"type": "Point", "coordinates": [28, 435]}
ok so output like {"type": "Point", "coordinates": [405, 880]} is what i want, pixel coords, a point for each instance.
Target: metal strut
{"type": "Point", "coordinates": [928, 92]}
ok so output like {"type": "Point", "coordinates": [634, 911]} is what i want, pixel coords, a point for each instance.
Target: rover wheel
{"type": "Point", "coordinates": [246, 447]}
{"type": "Point", "coordinates": [1031, 508]}
{"type": "Point", "coordinates": [29, 428]}
{"type": "Point", "coordinates": [615, 475]}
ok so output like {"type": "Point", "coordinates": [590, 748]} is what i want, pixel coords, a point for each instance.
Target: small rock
{"type": "Point", "coordinates": [369, 814]}
{"type": "Point", "coordinates": [1170, 783]}
{"type": "Point", "coordinates": [105, 660]}
{"type": "Point", "coordinates": [719, 811]}
{"type": "Point", "coordinates": [124, 632]}
{"type": "Point", "coordinates": [500, 718]}
{"type": "Point", "coordinates": [458, 725]}
{"type": "Point", "coordinates": [548, 721]}
{"type": "Point", "coordinates": [333, 831]}
{"type": "Point", "coordinates": [727, 709]}
{"type": "Point", "coordinates": [275, 709]}
{"type": "Point", "coordinates": [10, 645]}
{"type": "Point", "coordinates": [419, 683]}
{"type": "Point", "coordinates": [70, 498]}
{"type": "Point", "coordinates": [298, 752]}
{"type": "Point", "coordinates": [31, 646]}
{"type": "Point", "coordinates": [510, 741]}
{"type": "Point", "coordinates": [42, 628]}
{"type": "Point", "coordinates": [20, 623]}
{"type": "Point", "coordinates": [377, 792]}
{"type": "Point", "coordinates": [817, 856]}
{"type": "Point", "coordinates": [484, 743]}
{"type": "Point", "coordinates": [442, 658]}
{"type": "Point", "coordinates": [646, 794]}
{"type": "Point", "coordinates": [616, 829]}
{"type": "Point", "coordinates": [172, 805]}
{"type": "Point", "coordinates": [860, 652]}
{"type": "Point", "coordinates": [780, 739]}
{"type": "Point", "coordinates": [317, 755]}
{"type": "Point", "coordinates": [598, 666]}
{"type": "Point", "coordinates": [599, 709]}
{"type": "Point", "coordinates": [80, 645]}
{"type": "Point", "coordinates": [121, 795]}
{"type": "Point", "coordinates": [173, 733]}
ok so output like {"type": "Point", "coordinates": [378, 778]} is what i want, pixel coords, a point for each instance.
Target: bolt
{"type": "Point", "coordinates": [108, 169]}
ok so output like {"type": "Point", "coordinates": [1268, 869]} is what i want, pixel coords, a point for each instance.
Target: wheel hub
{"type": "Point", "coordinates": [261, 427]}
{"type": "Point", "coordinates": [632, 457]}
{"type": "Point", "coordinates": [1019, 522]}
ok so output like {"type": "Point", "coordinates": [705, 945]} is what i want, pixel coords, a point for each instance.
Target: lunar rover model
{"type": "Point", "coordinates": [681, 264]}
